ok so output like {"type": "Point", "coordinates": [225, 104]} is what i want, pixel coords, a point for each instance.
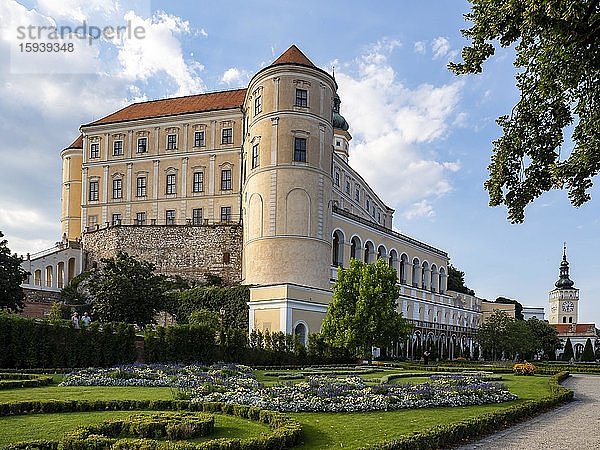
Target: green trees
{"type": "Point", "coordinates": [556, 46]}
{"type": "Point", "coordinates": [501, 335]}
{"type": "Point", "coordinates": [125, 290]}
{"type": "Point", "coordinates": [491, 335]}
{"type": "Point", "coordinates": [568, 354]}
{"type": "Point", "coordinates": [11, 277]}
{"type": "Point", "coordinates": [588, 351]}
{"type": "Point", "coordinates": [456, 281]}
{"type": "Point", "coordinates": [363, 311]}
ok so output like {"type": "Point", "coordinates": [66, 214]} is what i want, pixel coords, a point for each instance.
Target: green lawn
{"type": "Point", "coordinates": [352, 430]}
{"type": "Point", "coordinates": [340, 430]}
{"type": "Point", "coordinates": [50, 426]}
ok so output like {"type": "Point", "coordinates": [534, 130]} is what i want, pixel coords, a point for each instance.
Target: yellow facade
{"type": "Point", "coordinates": [274, 157]}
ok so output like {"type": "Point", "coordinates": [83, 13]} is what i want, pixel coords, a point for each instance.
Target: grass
{"type": "Point", "coordinates": [320, 430]}
{"type": "Point", "coordinates": [353, 430]}
{"type": "Point", "coordinates": [50, 426]}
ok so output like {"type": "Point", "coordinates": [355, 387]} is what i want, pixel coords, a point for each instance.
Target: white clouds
{"type": "Point", "coordinates": [235, 77]}
{"type": "Point", "coordinates": [420, 47]}
{"type": "Point", "coordinates": [159, 53]}
{"type": "Point", "coordinates": [419, 210]}
{"type": "Point", "coordinates": [392, 125]}
{"type": "Point", "coordinates": [440, 47]}
{"type": "Point", "coordinates": [42, 113]}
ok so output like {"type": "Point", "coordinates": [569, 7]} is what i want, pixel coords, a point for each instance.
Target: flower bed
{"type": "Point", "coordinates": [352, 394]}
{"type": "Point", "coordinates": [207, 378]}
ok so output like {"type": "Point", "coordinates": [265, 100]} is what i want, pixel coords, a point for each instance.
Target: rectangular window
{"type": "Point", "coordinates": [170, 217]}
{"type": "Point", "coordinates": [357, 193]}
{"type": "Point", "coordinates": [347, 187]}
{"type": "Point", "coordinates": [140, 218]}
{"type": "Point", "coordinates": [92, 221]}
{"type": "Point", "coordinates": [199, 139]}
{"type": "Point", "coordinates": [300, 149]}
{"type": "Point", "coordinates": [301, 97]}
{"type": "Point", "coordinates": [142, 145]}
{"type": "Point", "coordinates": [227, 136]}
{"type": "Point", "coordinates": [95, 150]}
{"type": "Point", "coordinates": [118, 148]}
{"type": "Point", "coordinates": [141, 186]}
{"type": "Point", "coordinates": [171, 142]}
{"type": "Point", "coordinates": [378, 217]}
{"type": "Point", "coordinates": [197, 216]}
{"type": "Point", "coordinates": [116, 219]}
{"type": "Point", "coordinates": [117, 188]}
{"type": "Point", "coordinates": [94, 191]}
{"type": "Point", "coordinates": [255, 161]}
{"type": "Point", "coordinates": [225, 213]}
{"type": "Point", "coordinates": [368, 204]}
{"type": "Point", "coordinates": [198, 184]}
{"type": "Point", "coordinates": [226, 179]}
{"type": "Point", "coordinates": [171, 184]}
{"type": "Point", "coordinates": [258, 105]}
{"type": "Point", "coordinates": [337, 178]}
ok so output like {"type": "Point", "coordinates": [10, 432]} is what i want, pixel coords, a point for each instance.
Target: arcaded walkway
{"type": "Point", "coordinates": [575, 425]}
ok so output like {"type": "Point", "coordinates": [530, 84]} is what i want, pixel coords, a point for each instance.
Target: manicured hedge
{"type": "Point", "coordinates": [285, 432]}
{"type": "Point", "coordinates": [457, 433]}
{"type": "Point", "coordinates": [23, 380]}
{"type": "Point", "coordinates": [28, 343]}
{"type": "Point", "coordinates": [171, 426]}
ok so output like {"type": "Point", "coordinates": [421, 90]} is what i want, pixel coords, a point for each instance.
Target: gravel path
{"type": "Point", "coordinates": [575, 425]}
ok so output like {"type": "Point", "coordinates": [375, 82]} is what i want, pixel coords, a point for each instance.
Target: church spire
{"type": "Point", "coordinates": [564, 282]}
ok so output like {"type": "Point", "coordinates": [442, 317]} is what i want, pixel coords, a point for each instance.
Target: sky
{"type": "Point", "coordinates": [421, 135]}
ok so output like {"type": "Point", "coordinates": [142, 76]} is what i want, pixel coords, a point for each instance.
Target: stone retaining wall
{"type": "Point", "coordinates": [188, 251]}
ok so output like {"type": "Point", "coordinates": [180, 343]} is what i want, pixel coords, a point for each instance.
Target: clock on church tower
{"type": "Point", "coordinates": [564, 298]}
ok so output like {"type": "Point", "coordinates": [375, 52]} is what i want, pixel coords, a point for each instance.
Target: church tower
{"type": "Point", "coordinates": [564, 299]}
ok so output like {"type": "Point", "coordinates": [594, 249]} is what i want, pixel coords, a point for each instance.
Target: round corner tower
{"type": "Point", "coordinates": [287, 184]}
{"type": "Point", "coordinates": [72, 157]}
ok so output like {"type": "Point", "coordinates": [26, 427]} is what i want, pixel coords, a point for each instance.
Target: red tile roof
{"type": "Point", "coordinates": [77, 143]}
{"type": "Point", "coordinates": [564, 328]}
{"type": "Point", "coordinates": [293, 55]}
{"type": "Point", "coordinates": [180, 105]}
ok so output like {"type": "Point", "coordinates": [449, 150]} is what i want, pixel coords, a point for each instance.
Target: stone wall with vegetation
{"type": "Point", "coordinates": [188, 251]}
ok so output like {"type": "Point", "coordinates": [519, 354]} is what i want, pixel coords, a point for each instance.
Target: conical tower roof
{"type": "Point", "coordinates": [293, 55]}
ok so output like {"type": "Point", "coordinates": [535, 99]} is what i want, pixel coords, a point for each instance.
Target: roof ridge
{"type": "Point", "coordinates": [184, 96]}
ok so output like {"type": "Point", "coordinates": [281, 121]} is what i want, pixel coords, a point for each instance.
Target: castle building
{"type": "Point", "coordinates": [564, 311]}
{"type": "Point", "coordinates": [253, 184]}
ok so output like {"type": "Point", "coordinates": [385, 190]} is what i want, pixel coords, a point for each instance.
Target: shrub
{"type": "Point", "coordinates": [525, 368]}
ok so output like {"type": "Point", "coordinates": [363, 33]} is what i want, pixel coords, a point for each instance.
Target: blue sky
{"type": "Point", "coordinates": [422, 136]}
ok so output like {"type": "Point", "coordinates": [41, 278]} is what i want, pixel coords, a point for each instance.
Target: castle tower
{"type": "Point", "coordinates": [70, 217]}
{"type": "Point", "coordinates": [287, 188]}
{"type": "Point", "coordinates": [564, 299]}
{"type": "Point", "coordinates": [341, 136]}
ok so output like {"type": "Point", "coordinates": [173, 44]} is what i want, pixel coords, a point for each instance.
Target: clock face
{"type": "Point", "coordinates": [568, 306]}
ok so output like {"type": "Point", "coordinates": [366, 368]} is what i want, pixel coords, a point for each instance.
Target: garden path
{"type": "Point", "coordinates": [575, 425]}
